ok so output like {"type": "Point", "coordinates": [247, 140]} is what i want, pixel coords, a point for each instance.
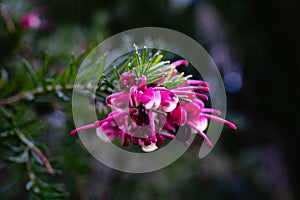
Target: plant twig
{"type": "Point", "coordinates": [39, 90]}
{"type": "Point", "coordinates": [38, 152]}
{"type": "Point", "coordinates": [7, 19]}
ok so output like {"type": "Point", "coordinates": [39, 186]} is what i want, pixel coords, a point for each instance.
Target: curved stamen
{"type": "Point", "coordinates": [89, 126]}
{"type": "Point", "coordinates": [204, 89]}
{"type": "Point", "coordinates": [202, 96]}
{"type": "Point", "coordinates": [180, 62]}
{"type": "Point", "coordinates": [114, 116]}
{"type": "Point", "coordinates": [100, 122]}
{"type": "Point", "coordinates": [231, 125]}
{"type": "Point", "coordinates": [167, 135]}
{"type": "Point", "coordinates": [211, 110]}
{"type": "Point", "coordinates": [207, 140]}
{"type": "Point", "coordinates": [197, 82]}
{"type": "Point", "coordinates": [152, 125]}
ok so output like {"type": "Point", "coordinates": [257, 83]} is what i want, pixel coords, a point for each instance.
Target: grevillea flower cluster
{"type": "Point", "coordinates": [153, 103]}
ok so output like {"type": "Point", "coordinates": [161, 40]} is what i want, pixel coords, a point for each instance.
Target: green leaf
{"type": "Point", "coordinates": [29, 184]}
{"type": "Point", "coordinates": [117, 74]}
{"type": "Point", "coordinates": [52, 195]}
{"type": "Point", "coordinates": [156, 59]}
{"type": "Point", "coordinates": [61, 95]}
{"type": "Point", "coordinates": [138, 60]}
{"type": "Point", "coordinates": [97, 68]}
{"type": "Point", "coordinates": [161, 66]}
{"type": "Point", "coordinates": [4, 134]}
{"type": "Point", "coordinates": [39, 169]}
{"type": "Point", "coordinates": [36, 158]}
{"type": "Point", "coordinates": [179, 77]}
{"type": "Point", "coordinates": [146, 67]}
{"type": "Point", "coordinates": [100, 67]}
{"type": "Point", "coordinates": [41, 74]}
{"type": "Point", "coordinates": [154, 78]}
{"type": "Point", "coordinates": [108, 84]}
{"type": "Point", "coordinates": [7, 133]}
{"type": "Point", "coordinates": [16, 149]}
{"type": "Point", "coordinates": [144, 55]}
{"type": "Point", "coordinates": [20, 158]}
{"type": "Point", "coordinates": [31, 73]}
{"type": "Point", "coordinates": [170, 74]}
{"type": "Point", "coordinates": [5, 115]}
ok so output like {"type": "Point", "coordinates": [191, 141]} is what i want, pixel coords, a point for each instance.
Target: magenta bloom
{"type": "Point", "coordinates": [35, 20]}
{"type": "Point", "coordinates": [148, 114]}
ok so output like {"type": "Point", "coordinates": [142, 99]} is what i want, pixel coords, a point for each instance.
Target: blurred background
{"type": "Point", "coordinates": [255, 44]}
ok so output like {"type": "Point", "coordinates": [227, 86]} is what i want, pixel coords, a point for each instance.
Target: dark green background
{"type": "Point", "coordinates": [258, 161]}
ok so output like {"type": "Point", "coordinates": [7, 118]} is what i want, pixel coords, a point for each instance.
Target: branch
{"type": "Point", "coordinates": [38, 152]}
{"type": "Point", "coordinates": [39, 90]}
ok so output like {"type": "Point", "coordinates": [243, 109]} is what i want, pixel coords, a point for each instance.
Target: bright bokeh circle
{"type": "Point", "coordinates": [84, 111]}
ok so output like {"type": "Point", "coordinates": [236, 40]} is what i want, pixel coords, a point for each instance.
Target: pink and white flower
{"type": "Point", "coordinates": [146, 115]}
{"type": "Point", "coordinates": [35, 20]}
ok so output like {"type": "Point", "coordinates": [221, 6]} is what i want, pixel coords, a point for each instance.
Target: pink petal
{"type": "Point", "coordinates": [106, 133]}
{"type": "Point", "coordinates": [156, 99]}
{"type": "Point", "coordinates": [201, 123]}
{"type": "Point", "coordinates": [127, 79]}
{"type": "Point", "coordinates": [169, 100]}
{"type": "Point", "coordinates": [149, 148]}
{"type": "Point", "coordinates": [147, 98]}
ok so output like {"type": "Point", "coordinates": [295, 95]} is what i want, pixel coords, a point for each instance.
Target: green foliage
{"type": "Point", "coordinates": [37, 74]}
{"type": "Point", "coordinates": [36, 70]}
{"type": "Point", "coordinates": [18, 148]}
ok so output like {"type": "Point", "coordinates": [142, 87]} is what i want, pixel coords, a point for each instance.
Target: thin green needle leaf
{"type": "Point", "coordinates": [5, 115]}
{"type": "Point", "coordinates": [42, 76]}
{"type": "Point", "coordinates": [144, 55]}
{"type": "Point", "coordinates": [108, 84]}
{"type": "Point", "coordinates": [31, 73]}
{"type": "Point", "coordinates": [117, 74]}
{"type": "Point", "coordinates": [73, 59]}
{"type": "Point", "coordinates": [100, 66]}
{"type": "Point", "coordinates": [155, 78]}
{"type": "Point", "coordinates": [179, 76]}
{"type": "Point", "coordinates": [146, 68]}
{"type": "Point", "coordinates": [159, 66]}
{"type": "Point", "coordinates": [20, 158]}
{"type": "Point", "coordinates": [138, 60]}
{"type": "Point", "coordinates": [90, 74]}
{"type": "Point", "coordinates": [157, 59]}
{"type": "Point", "coordinates": [170, 74]}
{"type": "Point", "coordinates": [135, 72]}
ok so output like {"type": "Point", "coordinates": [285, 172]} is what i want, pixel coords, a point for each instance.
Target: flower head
{"type": "Point", "coordinates": [155, 101]}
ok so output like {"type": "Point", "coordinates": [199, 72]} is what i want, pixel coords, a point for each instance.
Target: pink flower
{"type": "Point", "coordinates": [151, 109]}
{"type": "Point", "coordinates": [149, 98]}
{"type": "Point", "coordinates": [34, 20]}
